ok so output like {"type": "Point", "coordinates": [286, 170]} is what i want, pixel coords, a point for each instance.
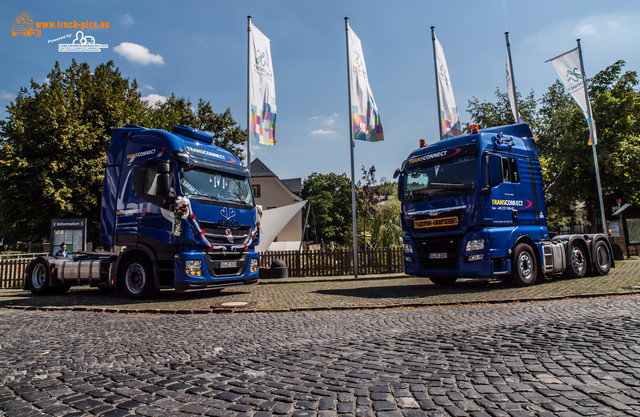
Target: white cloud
{"type": "Point", "coordinates": [138, 54]}
{"type": "Point", "coordinates": [127, 19]}
{"type": "Point", "coordinates": [326, 120]}
{"type": "Point", "coordinates": [5, 95]}
{"type": "Point", "coordinates": [148, 87]}
{"type": "Point", "coordinates": [323, 132]}
{"type": "Point", "coordinates": [154, 99]}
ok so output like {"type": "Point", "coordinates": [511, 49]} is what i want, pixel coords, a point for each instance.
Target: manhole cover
{"type": "Point", "coordinates": [234, 304]}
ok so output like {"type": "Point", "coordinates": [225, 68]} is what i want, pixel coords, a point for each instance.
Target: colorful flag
{"type": "Point", "coordinates": [568, 67]}
{"type": "Point", "coordinates": [448, 109]}
{"type": "Point", "coordinates": [262, 90]}
{"type": "Point", "coordinates": [366, 120]}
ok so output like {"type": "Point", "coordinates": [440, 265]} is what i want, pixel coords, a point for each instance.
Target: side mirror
{"type": "Point", "coordinates": [397, 173]}
{"type": "Point", "coordinates": [494, 170]}
{"type": "Point", "coordinates": [164, 178]}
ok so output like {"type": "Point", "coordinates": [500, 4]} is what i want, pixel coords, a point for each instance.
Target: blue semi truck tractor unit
{"type": "Point", "coordinates": [473, 206]}
{"type": "Point", "coordinates": [178, 210]}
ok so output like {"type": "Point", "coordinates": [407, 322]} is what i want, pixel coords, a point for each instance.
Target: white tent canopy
{"type": "Point", "coordinates": [274, 220]}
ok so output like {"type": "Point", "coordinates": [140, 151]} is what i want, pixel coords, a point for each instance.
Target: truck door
{"type": "Point", "coordinates": [154, 183]}
{"type": "Point", "coordinates": [502, 200]}
{"type": "Point", "coordinates": [524, 190]}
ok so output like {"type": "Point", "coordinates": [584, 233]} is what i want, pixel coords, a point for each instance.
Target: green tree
{"type": "Point", "coordinates": [53, 147]}
{"type": "Point", "coordinates": [367, 199]}
{"type": "Point", "coordinates": [330, 220]}
{"type": "Point", "coordinates": [568, 159]}
{"type": "Point", "coordinates": [498, 113]}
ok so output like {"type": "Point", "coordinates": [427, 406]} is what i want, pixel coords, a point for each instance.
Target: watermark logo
{"type": "Point", "coordinates": [24, 25]}
{"type": "Point", "coordinates": [82, 43]}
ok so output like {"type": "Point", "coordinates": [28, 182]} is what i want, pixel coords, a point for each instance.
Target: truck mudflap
{"type": "Point", "coordinates": [185, 286]}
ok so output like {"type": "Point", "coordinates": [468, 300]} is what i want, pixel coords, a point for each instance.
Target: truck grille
{"type": "Point", "coordinates": [218, 235]}
{"type": "Point", "coordinates": [438, 253]}
{"type": "Point", "coordinates": [226, 264]}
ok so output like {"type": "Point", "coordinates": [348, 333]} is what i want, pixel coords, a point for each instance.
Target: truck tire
{"type": "Point", "coordinates": [38, 277]}
{"type": "Point", "coordinates": [577, 265]}
{"type": "Point", "coordinates": [137, 278]}
{"type": "Point", "coordinates": [602, 263]}
{"type": "Point", "coordinates": [443, 281]}
{"type": "Point", "coordinates": [524, 268]}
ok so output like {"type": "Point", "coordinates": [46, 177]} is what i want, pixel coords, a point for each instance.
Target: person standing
{"type": "Point", "coordinates": [63, 250]}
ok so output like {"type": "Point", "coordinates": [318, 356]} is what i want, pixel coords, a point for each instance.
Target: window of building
{"type": "Point", "coordinates": [255, 189]}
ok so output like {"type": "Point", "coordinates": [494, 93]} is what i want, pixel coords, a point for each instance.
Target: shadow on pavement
{"type": "Point", "coordinates": [462, 286]}
{"type": "Point", "coordinates": [93, 297]}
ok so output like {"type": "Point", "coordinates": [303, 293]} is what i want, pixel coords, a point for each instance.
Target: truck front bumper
{"type": "Point", "coordinates": [448, 255]}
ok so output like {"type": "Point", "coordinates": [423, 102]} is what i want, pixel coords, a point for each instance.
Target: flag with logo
{"type": "Point", "coordinates": [364, 111]}
{"type": "Point", "coordinates": [568, 66]}
{"type": "Point", "coordinates": [448, 108]}
{"type": "Point", "coordinates": [262, 91]}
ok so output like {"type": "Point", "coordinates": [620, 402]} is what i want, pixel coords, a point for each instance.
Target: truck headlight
{"type": "Point", "coordinates": [193, 267]}
{"type": "Point", "coordinates": [253, 267]}
{"type": "Point", "coordinates": [477, 244]}
{"type": "Point", "coordinates": [407, 248]}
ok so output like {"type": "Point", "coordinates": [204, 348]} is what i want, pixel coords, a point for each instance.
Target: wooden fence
{"type": "Point", "coordinates": [337, 262]}
{"type": "Point", "coordinates": [300, 264]}
{"type": "Point", "coordinates": [13, 267]}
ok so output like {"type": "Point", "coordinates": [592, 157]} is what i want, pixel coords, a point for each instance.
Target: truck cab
{"type": "Point", "coordinates": [473, 206]}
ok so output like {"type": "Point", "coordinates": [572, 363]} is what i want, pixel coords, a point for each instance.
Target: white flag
{"type": "Point", "coordinates": [366, 119]}
{"type": "Point", "coordinates": [262, 90]}
{"type": "Point", "coordinates": [568, 66]}
{"type": "Point", "coordinates": [511, 92]}
{"type": "Point", "coordinates": [448, 108]}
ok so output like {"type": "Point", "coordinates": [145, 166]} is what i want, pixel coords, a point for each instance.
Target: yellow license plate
{"type": "Point", "coordinates": [444, 221]}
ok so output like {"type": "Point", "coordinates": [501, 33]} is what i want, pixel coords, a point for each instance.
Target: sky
{"type": "Point", "coordinates": [198, 49]}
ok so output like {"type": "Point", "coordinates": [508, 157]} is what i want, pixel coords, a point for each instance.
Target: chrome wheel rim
{"type": "Point", "coordinates": [525, 265]}
{"type": "Point", "coordinates": [603, 257]}
{"type": "Point", "coordinates": [577, 260]}
{"type": "Point", "coordinates": [135, 278]}
{"type": "Point", "coordinates": [38, 276]}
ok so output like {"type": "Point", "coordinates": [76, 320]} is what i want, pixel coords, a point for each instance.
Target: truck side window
{"type": "Point", "coordinates": [510, 170]}
{"type": "Point", "coordinates": [145, 183]}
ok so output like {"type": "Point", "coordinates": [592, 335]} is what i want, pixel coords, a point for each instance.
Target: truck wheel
{"type": "Point", "coordinates": [603, 258]}
{"type": "Point", "coordinates": [39, 277]}
{"type": "Point", "coordinates": [524, 268]}
{"type": "Point", "coordinates": [443, 281]}
{"type": "Point", "coordinates": [577, 261]}
{"type": "Point", "coordinates": [137, 279]}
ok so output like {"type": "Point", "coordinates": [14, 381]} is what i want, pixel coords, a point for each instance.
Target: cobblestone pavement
{"type": "Point", "coordinates": [337, 292]}
{"type": "Point", "coordinates": [575, 357]}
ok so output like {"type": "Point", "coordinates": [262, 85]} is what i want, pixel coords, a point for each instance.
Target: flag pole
{"type": "Point", "coordinates": [435, 66]}
{"type": "Point", "coordinates": [513, 79]}
{"type": "Point", "coordinates": [352, 145]}
{"type": "Point", "coordinates": [249, 96]}
{"type": "Point", "coordinates": [592, 132]}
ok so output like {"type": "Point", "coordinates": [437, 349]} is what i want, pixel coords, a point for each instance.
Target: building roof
{"type": "Point", "coordinates": [260, 170]}
{"type": "Point", "coordinates": [294, 185]}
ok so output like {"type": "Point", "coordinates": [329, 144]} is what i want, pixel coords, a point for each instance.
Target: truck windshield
{"type": "Point", "coordinates": [434, 181]}
{"type": "Point", "coordinates": [201, 183]}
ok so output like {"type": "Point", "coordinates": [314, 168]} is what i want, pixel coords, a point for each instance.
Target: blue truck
{"type": "Point", "coordinates": [473, 206]}
{"type": "Point", "coordinates": [178, 210]}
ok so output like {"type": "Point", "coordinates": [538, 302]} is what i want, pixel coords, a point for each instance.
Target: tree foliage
{"type": "Point", "coordinates": [54, 141]}
{"type": "Point", "coordinates": [330, 195]}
